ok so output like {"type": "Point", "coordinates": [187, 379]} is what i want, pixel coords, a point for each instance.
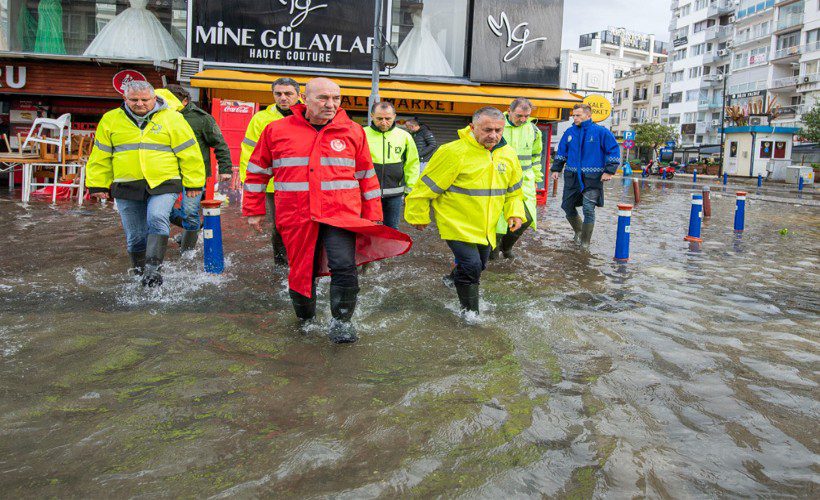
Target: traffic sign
{"type": "Point", "coordinates": [670, 144]}
{"type": "Point", "coordinates": [126, 76]}
{"type": "Point", "coordinates": [629, 135]}
{"type": "Point", "coordinates": [629, 144]}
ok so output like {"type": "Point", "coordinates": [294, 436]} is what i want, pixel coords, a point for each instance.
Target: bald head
{"type": "Point", "coordinates": [322, 99]}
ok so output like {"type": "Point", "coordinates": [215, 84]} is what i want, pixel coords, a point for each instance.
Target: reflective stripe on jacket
{"type": "Point", "coordinates": [395, 159]}
{"type": "Point", "coordinates": [257, 124]}
{"type": "Point", "coordinates": [164, 149]}
{"type": "Point", "coordinates": [469, 187]}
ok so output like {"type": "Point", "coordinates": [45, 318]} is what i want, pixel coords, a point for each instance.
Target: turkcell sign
{"type": "Point", "coordinates": [328, 35]}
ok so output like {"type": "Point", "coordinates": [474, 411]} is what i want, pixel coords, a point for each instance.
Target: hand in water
{"type": "Point", "coordinates": [255, 221]}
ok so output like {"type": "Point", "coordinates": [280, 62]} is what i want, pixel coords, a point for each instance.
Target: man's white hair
{"type": "Point", "coordinates": [136, 86]}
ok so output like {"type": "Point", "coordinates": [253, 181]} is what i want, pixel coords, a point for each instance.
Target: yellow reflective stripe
{"type": "Point", "coordinates": [185, 145]}
{"type": "Point", "coordinates": [249, 142]}
{"type": "Point", "coordinates": [432, 185]}
{"type": "Point", "coordinates": [478, 192]}
{"type": "Point", "coordinates": [514, 187]}
{"type": "Point", "coordinates": [103, 147]}
{"type": "Point", "coordinates": [119, 148]}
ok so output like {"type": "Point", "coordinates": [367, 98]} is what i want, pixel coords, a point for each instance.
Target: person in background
{"type": "Point", "coordinates": [208, 136]}
{"type": "Point", "coordinates": [144, 155]}
{"type": "Point", "coordinates": [395, 158]}
{"type": "Point", "coordinates": [591, 156]}
{"type": "Point", "coordinates": [285, 95]}
{"type": "Point", "coordinates": [469, 182]}
{"type": "Point", "coordinates": [425, 140]}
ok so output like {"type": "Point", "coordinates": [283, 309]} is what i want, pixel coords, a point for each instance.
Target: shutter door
{"type": "Point", "coordinates": [444, 128]}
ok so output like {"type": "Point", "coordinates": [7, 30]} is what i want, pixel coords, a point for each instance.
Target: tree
{"type": "Point", "coordinates": [811, 125]}
{"type": "Point", "coordinates": [653, 135]}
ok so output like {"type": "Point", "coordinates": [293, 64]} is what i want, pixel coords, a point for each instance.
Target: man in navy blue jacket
{"type": "Point", "coordinates": [591, 156]}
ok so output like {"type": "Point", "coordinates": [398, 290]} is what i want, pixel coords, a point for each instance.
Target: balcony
{"type": "Point", "coordinates": [717, 32]}
{"type": "Point", "coordinates": [789, 21]}
{"type": "Point", "coordinates": [785, 83]}
{"type": "Point", "coordinates": [705, 104]}
{"type": "Point", "coordinates": [788, 52]}
{"type": "Point", "coordinates": [748, 37]}
{"type": "Point", "coordinates": [715, 56]}
{"type": "Point", "coordinates": [715, 80]}
{"type": "Point", "coordinates": [788, 111]}
{"type": "Point", "coordinates": [720, 8]}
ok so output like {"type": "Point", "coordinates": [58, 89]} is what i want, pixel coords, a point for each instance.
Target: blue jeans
{"type": "Point", "coordinates": [189, 211]}
{"type": "Point", "coordinates": [588, 207]}
{"type": "Point", "coordinates": [392, 210]}
{"type": "Point", "coordinates": [470, 259]}
{"type": "Point", "coordinates": [143, 217]}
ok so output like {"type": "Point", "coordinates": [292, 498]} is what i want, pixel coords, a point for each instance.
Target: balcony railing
{"type": "Point", "coordinates": [789, 20]}
{"type": "Point", "coordinates": [721, 7]}
{"type": "Point", "coordinates": [749, 36]}
{"type": "Point", "coordinates": [718, 32]}
{"type": "Point", "coordinates": [789, 81]}
{"type": "Point", "coordinates": [794, 50]}
{"type": "Point", "coordinates": [709, 104]}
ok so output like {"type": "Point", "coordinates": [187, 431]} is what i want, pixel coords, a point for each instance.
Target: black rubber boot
{"type": "Point", "coordinates": [305, 307]}
{"type": "Point", "coordinates": [280, 256]}
{"type": "Point", "coordinates": [154, 255]}
{"type": "Point", "coordinates": [508, 241]}
{"type": "Point", "coordinates": [342, 306]}
{"type": "Point", "coordinates": [577, 226]}
{"type": "Point", "coordinates": [137, 262]}
{"type": "Point", "coordinates": [188, 241]}
{"type": "Point", "coordinates": [586, 235]}
{"type": "Point", "coordinates": [495, 250]}
{"type": "Point", "coordinates": [468, 296]}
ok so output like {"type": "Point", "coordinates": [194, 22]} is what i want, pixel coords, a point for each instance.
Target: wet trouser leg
{"type": "Point", "coordinates": [509, 239]}
{"type": "Point", "coordinates": [470, 259]}
{"type": "Point", "coordinates": [392, 210]}
{"type": "Point", "coordinates": [590, 196]}
{"type": "Point", "coordinates": [340, 248]}
{"type": "Point", "coordinates": [280, 256]}
{"type": "Point", "coordinates": [134, 216]}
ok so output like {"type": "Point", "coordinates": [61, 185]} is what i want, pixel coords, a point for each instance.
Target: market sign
{"type": "Point", "coordinates": [601, 107]}
{"type": "Point", "coordinates": [126, 76]}
{"type": "Point", "coordinates": [325, 35]}
{"type": "Point", "coordinates": [517, 41]}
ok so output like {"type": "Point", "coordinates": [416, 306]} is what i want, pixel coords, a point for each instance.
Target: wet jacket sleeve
{"type": "Point", "coordinates": [439, 175]}
{"type": "Point", "coordinates": [561, 154]}
{"type": "Point", "coordinates": [429, 142]}
{"type": "Point", "coordinates": [189, 156]}
{"type": "Point", "coordinates": [537, 148]}
{"type": "Point", "coordinates": [412, 164]}
{"type": "Point", "coordinates": [612, 152]}
{"type": "Point", "coordinates": [214, 139]}
{"type": "Point", "coordinates": [368, 182]}
{"type": "Point", "coordinates": [514, 199]}
{"type": "Point", "coordinates": [259, 173]}
{"type": "Point", "coordinates": [99, 171]}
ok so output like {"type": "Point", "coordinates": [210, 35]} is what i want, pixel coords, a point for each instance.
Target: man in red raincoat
{"type": "Point", "coordinates": [328, 208]}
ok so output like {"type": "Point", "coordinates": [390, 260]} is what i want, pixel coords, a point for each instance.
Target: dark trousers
{"type": "Point", "coordinates": [471, 259]}
{"type": "Point", "coordinates": [340, 247]}
{"type": "Point", "coordinates": [392, 210]}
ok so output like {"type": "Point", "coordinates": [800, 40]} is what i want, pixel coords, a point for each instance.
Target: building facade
{"type": "Point", "coordinates": [638, 98]}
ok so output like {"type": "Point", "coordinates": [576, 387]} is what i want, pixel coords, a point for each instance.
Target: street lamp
{"type": "Point", "coordinates": [383, 55]}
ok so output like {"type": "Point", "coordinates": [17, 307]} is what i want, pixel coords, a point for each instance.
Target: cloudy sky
{"type": "Point", "coordinates": [587, 16]}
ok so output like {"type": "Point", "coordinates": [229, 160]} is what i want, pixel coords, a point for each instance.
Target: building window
{"type": "Point", "coordinates": [692, 95]}
{"type": "Point", "coordinates": [657, 89]}
{"type": "Point", "coordinates": [675, 97]}
{"type": "Point", "coordinates": [626, 93]}
{"type": "Point", "coordinates": [439, 36]}
{"type": "Point", "coordinates": [574, 85]}
{"type": "Point", "coordinates": [655, 112]}
{"type": "Point", "coordinates": [574, 66]}
{"type": "Point", "coordinates": [695, 72]}
{"type": "Point", "coordinates": [619, 73]}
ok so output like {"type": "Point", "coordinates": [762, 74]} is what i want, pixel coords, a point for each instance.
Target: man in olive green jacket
{"type": "Point", "coordinates": [208, 136]}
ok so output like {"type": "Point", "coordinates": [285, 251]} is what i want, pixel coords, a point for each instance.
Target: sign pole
{"type": "Point", "coordinates": [377, 43]}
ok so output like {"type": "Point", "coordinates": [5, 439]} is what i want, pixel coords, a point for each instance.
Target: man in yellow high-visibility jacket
{"type": "Point", "coordinates": [285, 95]}
{"type": "Point", "coordinates": [469, 182]}
{"type": "Point", "coordinates": [144, 155]}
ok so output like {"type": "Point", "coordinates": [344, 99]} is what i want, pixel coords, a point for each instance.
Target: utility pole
{"type": "Point", "coordinates": [722, 121]}
{"type": "Point", "coordinates": [377, 48]}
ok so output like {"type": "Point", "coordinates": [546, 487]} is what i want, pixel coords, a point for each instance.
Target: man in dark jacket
{"type": "Point", "coordinates": [208, 136]}
{"type": "Point", "coordinates": [424, 138]}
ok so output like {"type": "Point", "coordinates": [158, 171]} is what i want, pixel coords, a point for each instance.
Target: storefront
{"type": "Point", "coordinates": [454, 56]}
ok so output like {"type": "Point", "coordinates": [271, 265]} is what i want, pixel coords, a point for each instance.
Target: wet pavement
{"type": "Point", "coordinates": [685, 373]}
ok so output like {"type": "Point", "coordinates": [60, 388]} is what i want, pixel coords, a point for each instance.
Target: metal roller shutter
{"type": "Point", "coordinates": [444, 128]}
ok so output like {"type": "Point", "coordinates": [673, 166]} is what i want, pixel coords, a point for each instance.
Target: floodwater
{"type": "Point", "coordinates": [685, 373]}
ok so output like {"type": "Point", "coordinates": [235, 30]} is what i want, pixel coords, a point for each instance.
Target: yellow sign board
{"type": "Point", "coordinates": [601, 107]}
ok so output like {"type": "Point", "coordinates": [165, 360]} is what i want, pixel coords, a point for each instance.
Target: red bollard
{"type": "Point", "coordinates": [636, 191]}
{"type": "Point", "coordinates": [707, 203]}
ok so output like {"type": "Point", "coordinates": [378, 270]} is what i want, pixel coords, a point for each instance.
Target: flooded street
{"type": "Point", "coordinates": [685, 373]}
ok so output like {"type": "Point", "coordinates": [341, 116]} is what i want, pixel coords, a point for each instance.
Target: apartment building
{"type": "Point", "coordinates": [700, 34]}
{"type": "Point", "coordinates": [638, 97]}
{"type": "Point", "coordinates": [602, 58]}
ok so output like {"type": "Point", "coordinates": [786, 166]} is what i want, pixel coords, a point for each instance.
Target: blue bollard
{"type": "Point", "coordinates": [663, 174]}
{"type": "Point", "coordinates": [695, 175]}
{"type": "Point", "coordinates": [740, 211]}
{"type": "Point", "coordinates": [622, 240]}
{"type": "Point", "coordinates": [759, 180]}
{"type": "Point", "coordinates": [800, 183]}
{"type": "Point", "coordinates": [214, 260]}
{"type": "Point", "coordinates": [695, 218]}
{"type": "Point", "coordinates": [725, 178]}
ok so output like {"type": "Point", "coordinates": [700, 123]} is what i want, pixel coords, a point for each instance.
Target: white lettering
{"type": "Point", "coordinates": [304, 7]}
{"type": "Point", "coordinates": [519, 34]}
{"type": "Point", "coordinates": [268, 38]}
{"type": "Point", "coordinates": [205, 36]}
{"type": "Point", "coordinates": [20, 82]}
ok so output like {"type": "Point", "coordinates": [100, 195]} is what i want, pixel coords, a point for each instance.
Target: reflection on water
{"type": "Point", "coordinates": [682, 373]}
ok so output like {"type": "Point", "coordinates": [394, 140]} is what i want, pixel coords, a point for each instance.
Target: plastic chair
{"type": "Point", "coordinates": [61, 124]}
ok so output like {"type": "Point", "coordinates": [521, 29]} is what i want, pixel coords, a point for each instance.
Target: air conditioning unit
{"type": "Point", "coordinates": [806, 79]}
{"type": "Point", "coordinates": [759, 120]}
{"type": "Point", "coordinates": [722, 52]}
{"type": "Point", "coordinates": [188, 67]}
{"type": "Point", "coordinates": [730, 44]}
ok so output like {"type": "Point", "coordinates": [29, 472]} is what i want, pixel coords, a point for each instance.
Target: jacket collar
{"type": "Point", "coordinates": [584, 124]}
{"type": "Point", "coordinates": [377, 129]}
{"type": "Point", "coordinates": [467, 136]}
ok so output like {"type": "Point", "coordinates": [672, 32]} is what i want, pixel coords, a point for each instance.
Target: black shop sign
{"type": "Point", "coordinates": [517, 41]}
{"type": "Point", "coordinates": [330, 35]}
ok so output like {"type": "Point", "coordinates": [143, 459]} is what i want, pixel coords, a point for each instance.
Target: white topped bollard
{"type": "Point", "coordinates": [740, 212]}
{"type": "Point", "coordinates": [695, 219]}
{"type": "Point", "coordinates": [212, 237]}
{"type": "Point", "coordinates": [622, 239]}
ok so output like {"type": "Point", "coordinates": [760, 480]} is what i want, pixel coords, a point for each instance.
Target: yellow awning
{"type": "Point", "coordinates": [409, 97]}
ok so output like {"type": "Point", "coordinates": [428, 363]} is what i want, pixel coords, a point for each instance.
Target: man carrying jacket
{"type": "Point", "coordinates": [524, 137]}
{"type": "Point", "coordinates": [327, 202]}
{"type": "Point", "coordinates": [470, 182]}
{"type": "Point", "coordinates": [425, 140]}
{"type": "Point", "coordinates": [208, 136]}
{"type": "Point", "coordinates": [144, 155]}
{"type": "Point", "coordinates": [591, 156]}
{"type": "Point", "coordinates": [285, 95]}
{"type": "Point", "coordinates": [395, 158]}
